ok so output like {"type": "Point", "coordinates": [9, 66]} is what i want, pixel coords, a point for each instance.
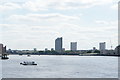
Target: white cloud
{"type": "Point", "coordinates": [77, 4]}
{"type": "Point", "coordinates": [101, 22]}
{"type": "Point", "coordinates": [35, 6]}
{"type": "Point", "coordinates": [9, 6]}
{"type": "Point", "coordinates": [104, 22]}
{"type": "Point", "coordinates": [51, 18]}
{"type": "Point", "coordinates": [38, 5]}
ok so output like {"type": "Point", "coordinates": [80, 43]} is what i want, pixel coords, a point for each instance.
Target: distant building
{"type": "Point", "coordinates": [117, 50]}
{"type": "Point", "coordinates": [102, 47]}
{"type": "Point", "coordinates": [109, 52]}
{"type": "Point", "coordinates": [9, 51]}
{"type": "Point", "coordinates": [1, 48]}
{"type": "Point", "coordinates": [73, 46]}
{"type": "Point", "coordinates": [46, 49]}
{"type": "Point", "coordinates": [35, 49]}
{"type": "Point", "coordinates": [58, 45]}
{"type": "Point", "coordinates": [94, 49]}
{"type": "Point", "coordinates": [4, 49]}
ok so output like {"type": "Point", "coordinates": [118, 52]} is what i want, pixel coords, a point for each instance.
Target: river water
{"type": "Point", "coordinates": [50, 66]}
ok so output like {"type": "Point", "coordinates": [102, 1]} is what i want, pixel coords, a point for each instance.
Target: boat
{"type": "Point", "coordinates": [28, 63]}
{"type": "Point", "coordinates": [4, 57]}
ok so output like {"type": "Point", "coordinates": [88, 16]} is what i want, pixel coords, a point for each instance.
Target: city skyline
{"type": "Point", "coordinates": [36, 23]}
{"type": "Point", "coordinates": [58, 47]}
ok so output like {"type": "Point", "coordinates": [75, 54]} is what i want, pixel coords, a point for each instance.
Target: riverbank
{"type": "Point", "coordinates": [68, 55]}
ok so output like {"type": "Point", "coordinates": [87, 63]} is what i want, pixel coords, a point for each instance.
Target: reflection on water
{"type": "Point", "coordinates": [61, 67]}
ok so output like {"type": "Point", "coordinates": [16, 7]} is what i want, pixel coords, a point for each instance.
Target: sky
{"type": "Point", "coordinates": [28, 24]}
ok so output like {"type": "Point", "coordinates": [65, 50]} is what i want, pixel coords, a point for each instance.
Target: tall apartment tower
{"type": "Point", "coordinates": [73, 46]}
{"type": "Point", "coordinates": [58, 45]}
{"type": "Point", "coordinates": [102, 47]}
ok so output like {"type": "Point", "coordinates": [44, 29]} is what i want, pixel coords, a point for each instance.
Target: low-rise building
{"type": "Point", "coordinates": [117, 50]}
{"type": "Point", "coordinates": [109, 52]}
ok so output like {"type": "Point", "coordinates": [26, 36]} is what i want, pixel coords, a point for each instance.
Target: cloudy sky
{"type": "Point", "coordinates": [28, 24]}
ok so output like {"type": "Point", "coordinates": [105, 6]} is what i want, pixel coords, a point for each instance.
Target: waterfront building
{"type": "Point", "coordinates": [102, 47]}
{"type": "Point", "coordinates": [73, 46]}
{"type": "Point", "coordinates": [109, 52]}
{"type": "Point", "coordinates": [117, 50]}
{"type": "Point", "coordinates": [3, 53]}
{"type": "Point", "coordinates": [9, 51]}
{"type": "Point", "coordinates": [1, 49]}
{"type": "Point", "coordinates": [58, 45]}
{"type": "Point", "coordinates": [4, 49]}
{"type": "Point", "coordinates": [35, 49]}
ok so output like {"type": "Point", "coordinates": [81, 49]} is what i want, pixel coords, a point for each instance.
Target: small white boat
{"type": "Point", "coordinates": [28, 63]}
